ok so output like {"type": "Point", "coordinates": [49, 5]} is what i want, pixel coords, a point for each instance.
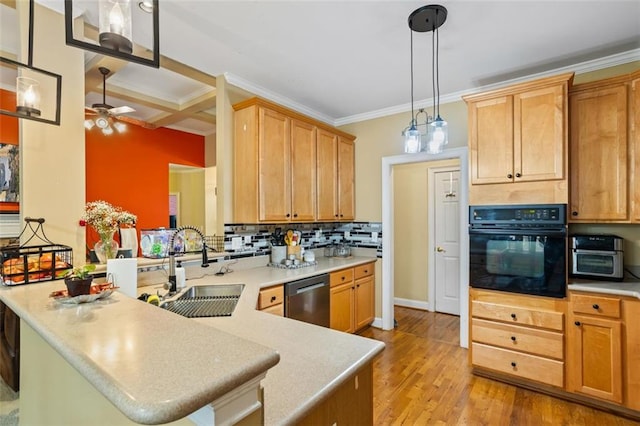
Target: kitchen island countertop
{"type": "Point", "coordinates": [311, 361]}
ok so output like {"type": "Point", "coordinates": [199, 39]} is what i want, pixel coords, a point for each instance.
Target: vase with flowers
{"type": "Point", "coordinates": [105, 219]}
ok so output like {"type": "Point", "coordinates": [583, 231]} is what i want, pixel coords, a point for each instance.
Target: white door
{"type": "Point", "coordinates": [446, 229]}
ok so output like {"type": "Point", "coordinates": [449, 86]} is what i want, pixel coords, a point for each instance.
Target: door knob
{"type": "Point", "coordinates": [440, 250]}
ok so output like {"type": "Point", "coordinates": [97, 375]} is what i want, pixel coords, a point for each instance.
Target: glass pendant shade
{"type": "Point", "coordinates": [28, 96]}
{"type": "Point", "coordinates": [438, 136]}
{"type": "Point", "coordinates": [412, 140]}
{"type": "Point", "coordinates": [115, 25]}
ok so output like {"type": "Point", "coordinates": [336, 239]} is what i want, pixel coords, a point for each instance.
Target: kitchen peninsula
{"type": "Point", "coordinates": [157, 367]}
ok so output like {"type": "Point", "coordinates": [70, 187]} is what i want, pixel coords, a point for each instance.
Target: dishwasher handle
{"type": "Point", "coordinates": [309, 288]}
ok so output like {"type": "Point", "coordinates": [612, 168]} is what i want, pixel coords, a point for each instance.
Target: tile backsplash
{"type": "Point", "coordinates": [244, 240]}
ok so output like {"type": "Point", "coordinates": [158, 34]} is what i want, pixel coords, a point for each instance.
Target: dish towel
{"type": "Point", "coordinates": [129, 240]}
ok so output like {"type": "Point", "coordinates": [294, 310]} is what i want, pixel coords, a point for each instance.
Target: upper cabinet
{"type": "Point", "coordinates": [604, 119]}
{"type": "Point", "coordinates": [289, 168]}
{"type": "Point", "coordinates": [518, 143]}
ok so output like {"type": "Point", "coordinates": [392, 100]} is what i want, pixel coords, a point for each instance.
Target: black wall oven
{"type": "Point", "coordinates": [519, 248]}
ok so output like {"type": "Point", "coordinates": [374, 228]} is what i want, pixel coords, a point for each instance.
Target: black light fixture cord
{"type": "Point", "coordinates": [435, 68]}
{"type": "Point", "coordinates": [412, 116]}
{"type": "Point", "coordinates": [438, 64]}
{"type": "Point", "coordinates": [30, 55]}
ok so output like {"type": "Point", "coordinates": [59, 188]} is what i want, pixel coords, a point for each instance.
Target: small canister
{"type": "Point", "coordinates": [330, 251]}
{"type": "Point", "coordinates": [278, 254]}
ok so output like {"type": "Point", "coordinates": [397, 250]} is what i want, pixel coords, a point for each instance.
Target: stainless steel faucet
{"type": "Point", "coordinates": [172, 256]}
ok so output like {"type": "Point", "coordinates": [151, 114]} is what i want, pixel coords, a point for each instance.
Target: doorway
{"type": "Point", "coordinates": [444, 224]}
{"type": "Point", "coordinates": [387, 300]}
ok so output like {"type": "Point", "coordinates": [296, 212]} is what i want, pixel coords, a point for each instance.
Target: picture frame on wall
{"type": "Point", "coordinates": [9, 178]}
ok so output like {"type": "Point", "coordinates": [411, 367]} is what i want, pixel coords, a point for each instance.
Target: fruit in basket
{"type": "Point", "coordinates": [46, 261]}
{"type": "Point", "coordinates": [13, 266]}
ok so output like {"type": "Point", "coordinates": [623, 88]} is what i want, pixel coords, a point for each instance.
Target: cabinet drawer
{"type": "Point", "coordinates": [518, 315]}
{"type": "Point", "coordinates": [517, 338]}
{"type": "Point", "coordinates": [275, 309]}
{"type": "Point", "coordinates": [596, 305]}
{"type": "Point", "coordinates": [341, 277]}
{"type": "Point", "coordinates": [518, 364]}
{"type": "Point", "coordinates": [363, 270]}
{"type": "Point", "coordinates": [271, 296]}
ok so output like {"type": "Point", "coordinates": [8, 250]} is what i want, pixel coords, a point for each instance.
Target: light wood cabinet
{"type": "Point", "coordinates": [518, 136]}
{"type": "Point", "coordinates": [271, 300]}
{"type": "Point", "coordinates": [594, 347]}
{"type": "Point", "coordinates": [335, 168]}
{"type": "Point", "coordinates": [286, 170]}
{"type": "Point", "coordinates": [605, 116]}
{"type": "Point", "coordinates": [352, 298]}
{"type": "Point", "coordinates": [599, 151]}
{"type": "Point", "coordinates": [519, 336]}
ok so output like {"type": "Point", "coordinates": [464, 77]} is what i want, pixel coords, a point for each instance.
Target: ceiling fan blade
{"type": "Point", "coordinates": [121, 110]}
{"type": "Point", "coordinates": [137, 122]}
{"type": "Point", "coordinates": [90, 111]}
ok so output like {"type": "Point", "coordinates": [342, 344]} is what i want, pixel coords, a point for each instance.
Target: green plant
{"type": "Point", "coordinates": [81, 272]}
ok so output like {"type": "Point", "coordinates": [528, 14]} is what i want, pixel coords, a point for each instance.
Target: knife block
{"type": "Point", "coordinates": [294, 250]}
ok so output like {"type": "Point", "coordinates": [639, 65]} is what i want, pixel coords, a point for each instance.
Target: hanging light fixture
{"type": "Point", "coordinates": [112, 33]}
{"type": "Point", "coordinates": [427, 19]}
{"type": "Point", "coordinates": [34, 86]}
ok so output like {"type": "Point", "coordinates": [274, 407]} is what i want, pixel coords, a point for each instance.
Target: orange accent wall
{"type": "Point", "coordinates": [8, 133]}
{"type": "Point", "coordinates": [131, 170]}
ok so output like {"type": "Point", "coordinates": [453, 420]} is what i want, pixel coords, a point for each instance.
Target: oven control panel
{"type": "Point", "coordinates": [551, 214]}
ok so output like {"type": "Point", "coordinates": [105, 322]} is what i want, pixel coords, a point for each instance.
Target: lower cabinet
{"type": "Point", "coordinates": [271, 300]}
{"type": "Point", "coordinates": [520, 336]}
{"type": "Point", "coordinates": [350, 404]}
{"type": "Point", "coordinates": [353, 298]}
{"type": "Point", "coordinates": [594, 346]}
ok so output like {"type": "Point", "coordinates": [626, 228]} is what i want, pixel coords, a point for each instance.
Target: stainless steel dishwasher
{"type": "Point", "coordinates": [308, 300]}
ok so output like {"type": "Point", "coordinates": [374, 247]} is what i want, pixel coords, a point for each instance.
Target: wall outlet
{"type": "Point", "coordinates": [318, 234]}
{"type": "Point", "coordinates": [247, 239]}
{"type": "Point", "coordinates": [374, 237]}
{"type": "Point", "coordinates": [236, 243]}
{"type": "Point", "coordinates": [347, 234]}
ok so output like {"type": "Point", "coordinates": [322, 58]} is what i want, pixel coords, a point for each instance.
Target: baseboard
{"type": "Point", "coordinates": [415, 304]}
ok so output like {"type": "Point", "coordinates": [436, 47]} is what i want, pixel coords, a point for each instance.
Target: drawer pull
{"type": "Point", "coordinates": [513, 316]}
{"type": "Point", "coordinates": [366, 271]}
{"type": "Point", "coordinates": [273, 298]}
{"type": "Point", "coordinates": [513, 364]}
{"type": "Point", "coordinates": [596, 306]}
{"type": "Point", "coordinates": [577, 323]}
{"type": "Point", "coordinates": [343, 278]}
{"type": "Point", "coordinates": [513, 338]}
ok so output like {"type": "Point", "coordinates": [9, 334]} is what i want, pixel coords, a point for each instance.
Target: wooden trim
{"type": "Point", "coordinates": [611, 81]}
{"type": "Point", "coordinates": [291, 113]}
{"type": "Point", "coordinates": [521, 87]}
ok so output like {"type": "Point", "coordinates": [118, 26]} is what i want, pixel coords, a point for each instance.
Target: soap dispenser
{"type": "Point", "coordinates": [181, 277]}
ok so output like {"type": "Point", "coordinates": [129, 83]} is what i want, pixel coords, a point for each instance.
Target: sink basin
{"type": "Point", "coordinates": [206, 301]}
{"type": "Point", "coordinates": [226, 290]}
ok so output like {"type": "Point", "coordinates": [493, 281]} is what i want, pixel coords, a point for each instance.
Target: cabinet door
{"type": "Point", "coordinates": [342, 307]}
{"type": "Point", "coordinates": [599, 155]}
{"type": "Point", "coordinates": [327, 169]}
{"type": "Point", "coordinates": [539, 134]}
{"type": "Point", "coordinates": [594, 357]}
{"type": "Point", "coordinates": [303, 171]}
{"type": "Point", "coordinates": [346, 199]}
{"type": "Point", "coordinates": [491, 140]}
{"type": "Point", "coordinates": [635, 133]}
{"type": "Point", "coordinates": [273, 162]}
{"type": "Point", "coordinates": [364, 302]}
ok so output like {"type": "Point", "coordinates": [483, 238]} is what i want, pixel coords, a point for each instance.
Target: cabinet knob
{"type": "Point", "coordinates": [273, 298]}
{"type": "Point", "coordinates": [336, 215]}
{"type": "Point", "coordinates": [518, 175]}
{"type": "Point", "coordinates": [513, 338]}
{"type": "Point", "coordinates": [343, 278]}
{"type": "Point", "coordinates": [574, 213]}
{"type": "Point", "coordinates": [513, 364]}
{"type": "Point", "coordinates": [509, 176]}
{"type": "Point", "coordinates": [596, 306]}
{"type": "Point", "coordinates": [513, 316]}
{"type": "Point", "coordinates": [366, 271]}
{"type": "Point", "coordinates": [577, 323]}
{"type": "Point", "coordinates": [295, 215]}
{"type": "Point", "coordinates": [288, 215]}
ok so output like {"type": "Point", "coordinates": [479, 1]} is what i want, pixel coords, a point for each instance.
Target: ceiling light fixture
{"type": "Point", "coordinates": [427, 19]}
{"type": "Point", "coordinates": [31, 84]}
{"type": "Point", "coordinates": [113, 32]}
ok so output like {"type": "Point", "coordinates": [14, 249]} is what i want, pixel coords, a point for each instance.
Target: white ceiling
{"type": "Point", "coordinates": [344, 61]}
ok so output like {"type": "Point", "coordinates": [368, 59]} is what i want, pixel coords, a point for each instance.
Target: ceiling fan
{"type": "Point", "coordinates": [107, 117]}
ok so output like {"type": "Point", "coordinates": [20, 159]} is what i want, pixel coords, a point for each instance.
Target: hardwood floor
{"type": "Point", "coordinates": [423, 378]}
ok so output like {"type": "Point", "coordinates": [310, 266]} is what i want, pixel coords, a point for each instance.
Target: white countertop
{"type": "Point", "coordinates": [119, 344]}
{"type": "Point", "coordinates": [624, 288]}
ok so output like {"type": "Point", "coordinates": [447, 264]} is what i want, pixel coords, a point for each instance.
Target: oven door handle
{"type": "Point", "coordinates": [596, 252]}
{"type": "Point", "coordinates": [530, 232]}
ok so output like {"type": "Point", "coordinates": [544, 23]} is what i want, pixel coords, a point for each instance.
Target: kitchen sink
{"type": "Point", "coordinates": [206, 301]}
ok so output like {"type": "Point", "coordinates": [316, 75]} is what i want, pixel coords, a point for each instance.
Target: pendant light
{"type": "Point", "coordinates": [34, 86]}
{"type": "Point", "coordinates": [427, 19]}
